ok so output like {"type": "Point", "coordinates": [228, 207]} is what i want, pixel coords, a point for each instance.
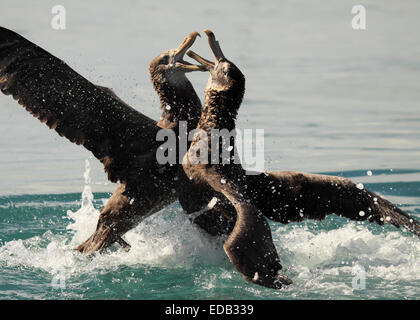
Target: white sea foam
{"type": "Point", "coordinates": [84, 219]}
{"type": "Point", "coordinates": [166, 239]}
{"type": "Point", "coordinates": [324, 261]}
{"type": "Point", "coordinates": [317, 260]}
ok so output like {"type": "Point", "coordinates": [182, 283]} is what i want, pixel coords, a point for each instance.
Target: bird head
{"type": "Point", "coordinates": [224, 74]}
{"type": "Point", "coordinates": [171, 66]}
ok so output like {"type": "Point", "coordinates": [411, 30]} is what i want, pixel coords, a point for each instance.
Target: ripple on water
{"type": "Point", "coordinates": [171, 259]}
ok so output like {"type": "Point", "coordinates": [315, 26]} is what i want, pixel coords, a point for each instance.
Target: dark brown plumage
{"type": "Point", "coordinates": [179, 102]}
{"type": "Point", "coordinates": [119, 136]}
{"type": "Point", "coordinates": [284, 197]}
{"type": "Point", "coordinates": [123, 139]}
{"type": "Point", "coordinates": [290, 196]}
{"type": "Point", "coordinates": [249, 245]}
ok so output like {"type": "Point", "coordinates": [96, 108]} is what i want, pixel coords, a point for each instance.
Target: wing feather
{"type": "Point", "coordinates": [86, 114]}
{"type": "Point", "coordinates": [289, 196]}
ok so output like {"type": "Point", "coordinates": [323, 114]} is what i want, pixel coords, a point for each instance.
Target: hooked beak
{"type": "Point", "coordinates": [180, 52]}
{"type": "Point", "coordinates": [214, 45]}
{"type": "Point", "coordinates": [215, 48]}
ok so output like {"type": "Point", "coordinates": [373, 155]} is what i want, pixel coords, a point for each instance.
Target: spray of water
{"type": "Point", "coordinates": [167, 239]}
{"type": "Point", "coordinates": [84, 220]}
{"type": "Point", "coordinates": [319, 259]}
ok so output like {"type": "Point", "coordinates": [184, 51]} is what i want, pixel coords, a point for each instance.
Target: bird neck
{"type": "Point", "coordinates": [220, 110]}
{"type": "Point", "coordinates": [179, 102]}
{"type": "Point", "coordinates": [215, 139]}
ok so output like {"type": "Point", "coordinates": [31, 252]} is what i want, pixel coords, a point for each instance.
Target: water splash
{"type": "Point", "coordinates": [84, 219]}
{"type": "Point", "coordinates": [167, 239]}
{"type": "Point", "coordinates": [167, 249]}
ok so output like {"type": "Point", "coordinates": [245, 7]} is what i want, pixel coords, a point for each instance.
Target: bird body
{"type": "Point", "coordinates": [123, 139]}
{"type": "Point", "coordinates": [219, 197]}
{"type": "Point", "coordinates": [280, 196]}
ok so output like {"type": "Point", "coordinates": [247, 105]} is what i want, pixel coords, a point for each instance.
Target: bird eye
{"type": "Point", "coordinates": [225, 71]}
{"type": "Point", "coordinates": [164, 60]}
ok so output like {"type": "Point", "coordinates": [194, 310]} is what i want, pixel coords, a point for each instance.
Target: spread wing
{"type": "Point", "coordinates": [293, 196]}
{"type": "Point", "coordinates": [93, 116]}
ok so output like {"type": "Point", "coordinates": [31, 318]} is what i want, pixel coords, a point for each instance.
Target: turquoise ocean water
{"type": "Point", "coordinates": [172, 259]}
{"type": "Point", "coordinates": [330, 99]}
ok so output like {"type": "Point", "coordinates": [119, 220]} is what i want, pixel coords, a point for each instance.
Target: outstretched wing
{"type": "Point", "coordinates": [293, 196]}
{"type": "Point", "coordinates": [118, 135]}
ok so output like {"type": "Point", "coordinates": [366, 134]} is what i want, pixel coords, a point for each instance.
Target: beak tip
{"type": "Point", "coordinates": [209, 33]}
{"type": "Point", "coordinates": [194, 34]}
